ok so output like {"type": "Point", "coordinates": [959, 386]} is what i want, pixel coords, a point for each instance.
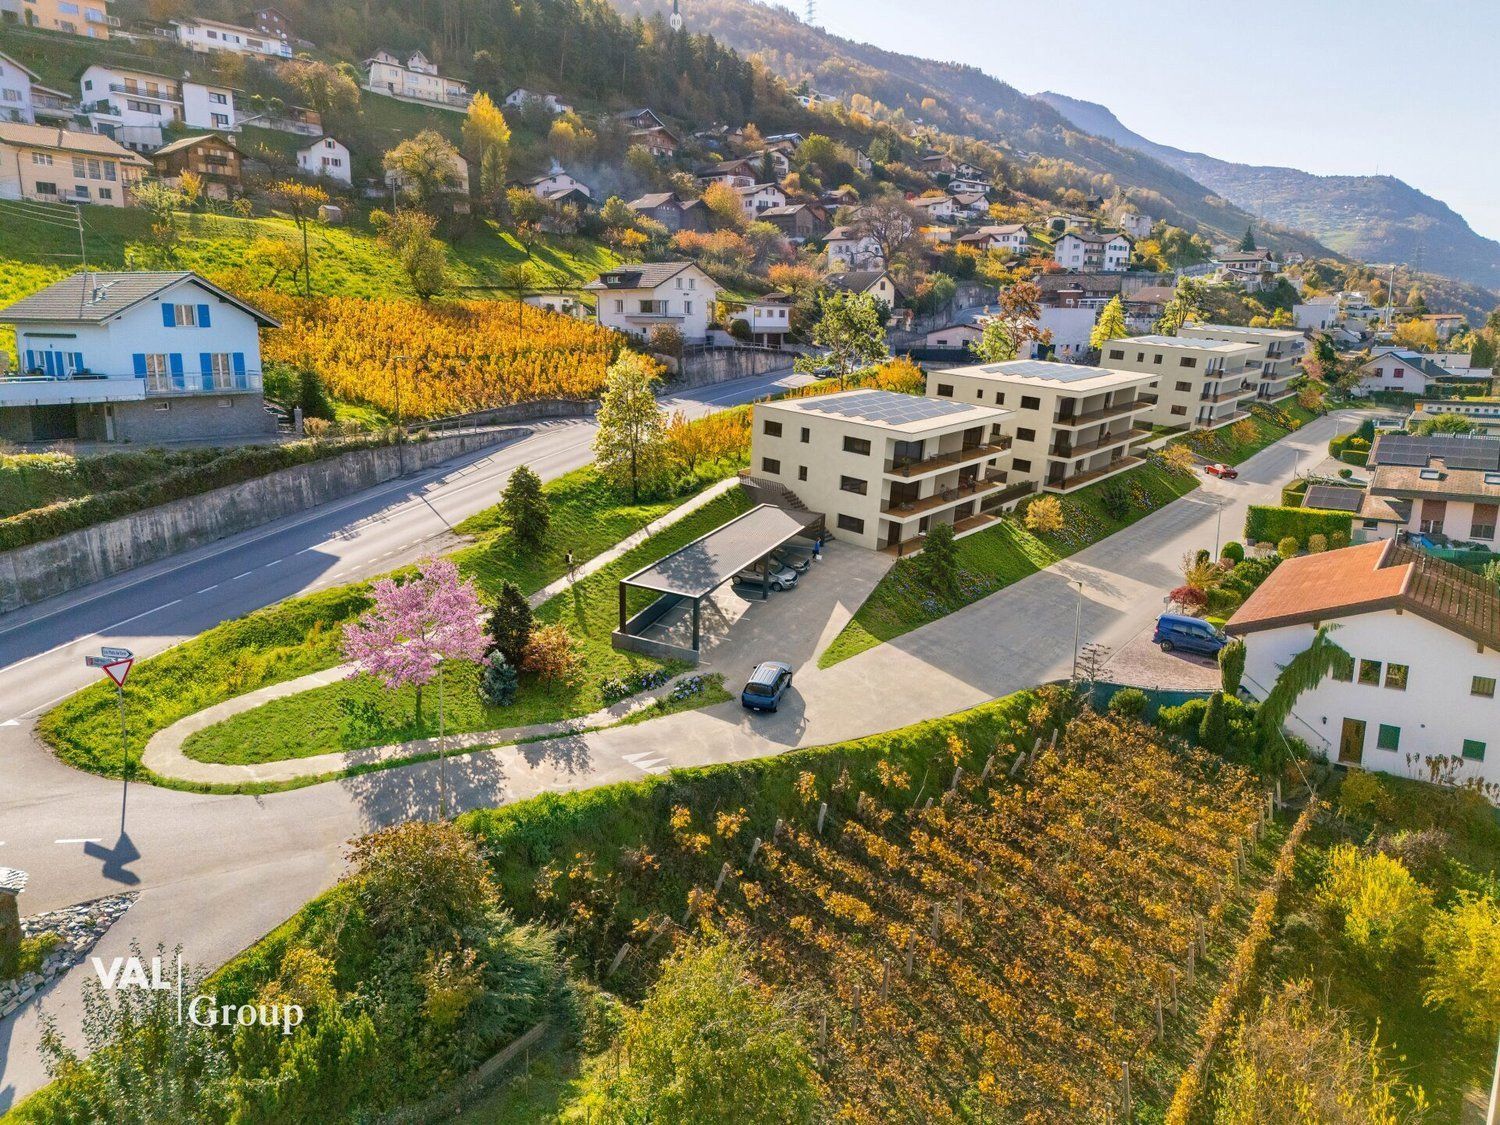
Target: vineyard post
{"type": "Point", "coordinates": [856, 1005]}
{"type": "Point", "coordinates": [1202, 938]}
{"type": "Point", "coordinates": [885, 978]}
{"type": "Point", "coordinates": [1278, 792]}
{"type": "Point", "coordinates": [928, 805]}
{"type": "Point", "coordinates": [958, 772]}
{"type": "Point", "coordinates": [911, 953]}
{"type": "Point", "coordinates": [1161, 1026]}
{"type": "Point", "coordinates": [823, 1029]}
{"type": "Point", "coordinates": [822, 812]}
{"type": "Point", "coordinates": [619, 957]}
{"type": "Point", "coordinates": [937, 921]}
{"type": "Point", "coordinates": [958, 909]}
{"type": "Point", "coordinates": [989, 764]}
{"type": "Point", "coordinates": [754, 848]}
{"type": "Point", "coordinates": [723, 874]}
{"type": "Point", "coordinates": [1015, 767]}
{"type": "Point", "coordinates": [1172, 973]}
{"type": "Point", "coordinates": [1125, 1090]}
{"type": "Point", "coordinates": [1192, 963]}
{"type": "Point", "coordinates": [776, 832]}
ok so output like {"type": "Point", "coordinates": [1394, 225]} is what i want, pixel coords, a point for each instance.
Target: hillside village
{"type": "Point", "coordinates": [601, 383]}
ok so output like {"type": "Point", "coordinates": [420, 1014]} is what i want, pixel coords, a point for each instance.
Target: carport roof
{"type": "Point", "coordinates": [705, 564]}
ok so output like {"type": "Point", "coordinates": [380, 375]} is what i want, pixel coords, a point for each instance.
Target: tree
{"type": "Point", "coordinates": [301, 202]}
{"type": "Point", "coordinates": [940, 559]}
{"type": "Point", "coordinates": [527, 214]}
{"type": "Point", "coordinates": [1383, 908]}
{"type": "Point", "coordinates": [524, 506]}
{"type": "Point", "coordinates": [893, 223]}
{"type": "Point", "coordinates": [1445, 424]}
{"type": "Point", "coordinates": [707, 1046]}
{"type": "Point", "coordinates": [724, 206]}
{"type": "Point", "coordinates": [276, 255]}
{"type": "Point", "coordinates": [1213, 731]}
{"type": "Point", "coordinates": [1044, 515]}
{"type": "Point", "coordinates": [486, 140]}
{"type": "Point", "coordinates": [1415, 333]}
{"type": "Point", "coordinates": [1232, 666]}
{"type": "Point", "coordinates": [1247, 243]}
{"type": "Point", "coordinates": [324, 88]}
{"type": "Point", "coordinates": [162, 203]}
{"type": "Point", "coordinates": [1013, 326]}
{"type": "Point", "coordinates": [510, 624]}
{"type": "Point", "coordinates": [498, 681]}
{"type": "Point", "coordinates": [1302, 673]}
{"type": "Point", "coordinates": [415, 625]}
{"type": "Point", "coordinates": [420, 883]}
{"type": "Point", "coordinates": [550, 654]}
{"type": "Point", "coordinates": [1482, 352]}
{"type": "Point", "coordinates": [1463, 947]}
{"type": "Point", "coordinates": [1178, 458]}
{"type": "Point", "coordinates": [409, 236]}
{"type": "Point", "coordinates": [631, 440]}
{"type": "Point", "coordinates": [425, 167]}
{"type": "Point", "coordinates": [1110, 325]}
{"type": "Point", "coordinates": [312, 395]}
{"type": "Point", "coordinates": [849, 329]}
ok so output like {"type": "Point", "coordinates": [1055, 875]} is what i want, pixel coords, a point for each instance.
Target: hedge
{"type": "Point", "coordinates": [1266, 524]}
{"type": "Point", "coordinates": [1292, 494]}
{"type": "Point", "coordinates": [1358, 457]}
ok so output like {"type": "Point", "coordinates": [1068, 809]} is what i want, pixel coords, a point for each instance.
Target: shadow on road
{"type": "Point", "coordinates": [117, 860]}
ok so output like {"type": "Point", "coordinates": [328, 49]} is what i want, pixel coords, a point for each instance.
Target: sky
{"type": "Point", "coordinates": [1353, 87]}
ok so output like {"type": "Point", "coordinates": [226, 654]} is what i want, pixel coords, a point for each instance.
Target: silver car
{"type": "Point", "coordinates": [778, 577]}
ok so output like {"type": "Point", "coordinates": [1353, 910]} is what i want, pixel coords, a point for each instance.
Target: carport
{"type": "Point", "coordinates": [694, 572]}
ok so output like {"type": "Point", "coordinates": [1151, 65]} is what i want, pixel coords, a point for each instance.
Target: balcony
{"type": "Point", "coordinates": [149, 95]}
{"type": "Point", "coordinates": [1078, 480]}
{"type": "Point", "coordinates": [18, 389]}
{"type": "Point", "coordinates": [1227, 420]}
{"type": "Point", "coordinates": [650, 310]}
{"type": "Point", "coordinates": [991, 481]}
{"type": "Point", "coordinates": [908, 468]}
{"type": "Point", "coordinates": [1119, 410]}
{"type": "Point", "coordinates": [1227, 396]}
{"type": "Point", "coordinates": [1103, 441]}
{"type": "Point", "coordinates": [966, 526]}
{"type": "Point", "coordinates": [196, 383]}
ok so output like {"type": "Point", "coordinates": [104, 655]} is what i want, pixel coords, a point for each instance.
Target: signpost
{"type": "Point", "coordinates": [116, 663]}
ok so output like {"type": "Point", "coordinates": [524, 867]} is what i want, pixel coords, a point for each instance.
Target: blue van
{"type": "Point", "coordinates": [767, 684]}
{"type": "Point", "coordinates": [1190, 634]}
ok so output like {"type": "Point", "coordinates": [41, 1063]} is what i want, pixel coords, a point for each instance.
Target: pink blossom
{"type": "Point", "coordinates": [414, 626]}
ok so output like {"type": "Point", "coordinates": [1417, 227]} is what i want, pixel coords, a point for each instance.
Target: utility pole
{"type": "Point", "coordinates": [400, 436]}
{"type": "Point", "coordinates": [1493, 1117]}
{"type": "Point", "coordinates": [1077, 630]}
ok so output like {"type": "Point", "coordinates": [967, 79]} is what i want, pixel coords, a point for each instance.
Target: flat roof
{"type": "Point", "coordinates": [1158, 341]}
{"type": "Point", "coordinates": [705, 564]}
{"type": "Point", "coordinates": [891, 410]}
{"type": "Point", "coordinates": [1053, 376]}
{"type": "Point", "coordinates": [1216, 331]}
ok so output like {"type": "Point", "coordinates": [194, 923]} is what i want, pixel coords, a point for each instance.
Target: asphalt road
{"type": "Point", "coordinates": [216, 872]}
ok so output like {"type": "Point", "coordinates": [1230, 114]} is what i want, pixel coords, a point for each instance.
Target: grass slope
{"type": "Point", "coordinates": [1272, 423]}
{"type": "Point", "coordinates": [358, 713]}
{"type": "Point", "coordinates": [998, 556]}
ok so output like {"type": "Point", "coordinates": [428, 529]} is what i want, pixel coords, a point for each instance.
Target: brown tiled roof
{"type": "Point", "coordinates": [1371, 577]}
{"type": "Point", "coordinates": [1450, 484]}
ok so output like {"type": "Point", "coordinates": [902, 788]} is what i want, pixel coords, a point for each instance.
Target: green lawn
{"type": "Point", "coordinates": [992, 559]}
{"type": "Point", "coordinates": [360, 712]}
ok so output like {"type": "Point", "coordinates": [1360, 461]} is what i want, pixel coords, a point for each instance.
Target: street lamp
{"type": "Point", "coordinates": [396, 384]}
{"type": "Point", "coordinates": [1077, 630]}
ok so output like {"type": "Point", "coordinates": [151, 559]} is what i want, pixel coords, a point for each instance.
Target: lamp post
{"type": "Point", "coordinates": [400, 436]}
{"type": "Point", "coordinates": [1077, 629]}
{"type": "Point", "coordinates": [1218, 520]}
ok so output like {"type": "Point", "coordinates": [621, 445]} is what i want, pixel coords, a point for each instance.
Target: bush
{"type": "Point", "coordinates": [1233, 551]}
{"type": "Point", "coordinates": [497, 684]}
{"type": "Point", "coordinates": [1317, 543]}
{"type": "Point", "coordinates": [1129, 703]}
{"type": "Point", "coordinates": [1383, 908]}
{"type": "Point", "coordinates": [1189, 597]}
{"type": "Point", "coordinates": [1355, 457]}
{"type": "Point", "coordinates": [1184, 719]}
{"type": "Point", "coordinates": [1232, 666]}
{"type": "Point", "coordinates": [1266, 524]}
{"type": "Point", "coordinates": [1337, 540]}
{"type": "Point", "coordinates": [1463, 947]}
{"type": "Point", "coordinates": [1287, 547]}
{"type": "Point", "coordinates": [1223, 602]}
{"type": "Point", "coordinates": [1345, 474]}
{"type": "Point", "coordinates": [1115, 498]}
{"type": "Point", "coordinates": [1364, 797]}
{"type": "Point", "coordinates": [1213, 731]}
{"type": "Point", "coordinates": [550, 654]}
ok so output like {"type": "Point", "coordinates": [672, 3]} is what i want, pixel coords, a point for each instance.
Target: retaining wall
{"type": "Point", "coordinates": [719, 365]}
{"type": "Point", "coordinates": [43, 570]}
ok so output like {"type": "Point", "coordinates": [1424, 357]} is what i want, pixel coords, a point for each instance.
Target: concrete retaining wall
{"type": "Point", "coordinates": [43, 570]}
{"type": "Point", "coordinates": [719, 365]}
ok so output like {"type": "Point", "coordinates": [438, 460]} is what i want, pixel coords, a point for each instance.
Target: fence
{"type": "Point", "coordinates": [1100, 692]}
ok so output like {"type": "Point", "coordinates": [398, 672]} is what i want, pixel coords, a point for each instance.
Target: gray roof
{"type": "Point", "coordinates": [705, 564]}
{"type": "Point", "coordinates": [1334, 498]}
{"type": "Point", "coordinates": [652, 200]}
{"type": "Point", "coordinates": [1056, 372]}
{"type": "Point", "coordinates": [96, 297]}
{"type": "Point", "coordinates": [884, 408]}
{"type": "Point", "coordinates": [856, 281]}
{"type": "Point", "coordinates": [641, 275]}
{"type": "Point", "coordinates": [189, 142]}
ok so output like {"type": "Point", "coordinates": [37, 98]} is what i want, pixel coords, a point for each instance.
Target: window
{"type": "Point", "coordinates": [185, 316]}
{"type": "Point", "coordinates": [619, 306]}
{"type": "Point", "coordinates": [770, 465]}
{"type": "Point", "coordinates": [854, 485]}
{"type": "Point", "coordinates": [218, 99]}
{"type": "Point", "coordinates": [1388, 737]}
{"type": "Point", "coordinates": [1156, 358]}
{"type": "Point", "coordinates": [944, 390]}
{"type": "Point", "coordinates": [1181, 386]}
{"type": "Point", "coordinates": [156, 366]}
{"type": "Point", "coordinates": [1187, 361]}
{"type": "Point", "coordinates": [771, 429]}
{"type": "Point", "coordinates": [1482, 686]}
{"type": "Point", "coordinates": [1369, 672]}
{"type": "Point", "coordinates": [1021, 465]}
{"type": "Point", "coordinates": [1395, 676]}
{"type": "Point", "coordinates": [1116, 353]}
{"type": "Point", "coordinates": [1179, 410]}
{"type": "Point", "coordinates": [849, 523]}
{"type": "Point", "coordinates": [1024, 434]}
{"type": "Point", "coordinates": [687, 308]}
{"type": "Point", "coordinates": [43, 187]}
{"type": "Point", "coordinates": [1483, 525]}
{"type": "Point", "coordinates": [44, 159]}
{"type": "Point", "coordinates": [806, 435]}
{"type": "Point", "coordinates": [801, 472]}
{"type": "Point", "coordinates": [1473, 750]}
{"type": "Point", "coordinates": [999, 398]}
{"type": "Point", "coordinates": [221, 120]}
{"type": "Point", "coordinates": [857, 445]}
{"type": "Point", "coordinates": [106, 193]}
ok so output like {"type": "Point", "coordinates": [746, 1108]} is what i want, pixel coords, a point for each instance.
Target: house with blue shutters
{"type": "Point", "coordinates": [141, 357]}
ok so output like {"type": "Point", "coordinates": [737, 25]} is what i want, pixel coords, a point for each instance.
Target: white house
{"type": "Point", "coordinates": [1133, 223]}
{"type": "Point", "coordinates": [958, 335]}
{"type": "Point", "coordinates": [133, 106]}
{"type": "Point", "coordinates": [1316, 314]}
{"type": "Point", "coordinates": [1444, 485]}
{"type": "Point", "coordinates": [760, 197]}
{"type": "Point", "coordinates": [769, 318]}
{"type": "Point", "coordinates": [936, 208]}
{"type": "Point", "coordinates": [556, 183]}
{"type": "Point", "coordinates": [520, 98]}
{"type": "Point", "coordinates": [850, 250]}
{"type": "Point", "coordinates": [16, 83]}
{"type": "Point", "coordinates": [1007, 236]}
{"type": "Point", "coordinates": [639, 297]}
{"type": "Point", "coordinates": [1398, 369]}
{"type": "Point", "coordinates": [1070, 328]}
{"type": "Point", "coordinates": [394, 181]}
{"type": "Point", "coordinates": [328, 158]}
{"type": "Point", "coordinates": [415, 80]}
{"type": "Point", "coordinates": [1425, 638]}
{"type": "Point", "coordinates": [877, 283]}
{"type": "Point", "coordinates": [134, 357]}
{"type": "Point", "coordinates": [1254, 269]}
{"type": "Point", "coordinates": [201, 34]}
{"type": "Point", "coordinates": [1086, 251]}
{"type": "Point", "coordinates": [968, 185]}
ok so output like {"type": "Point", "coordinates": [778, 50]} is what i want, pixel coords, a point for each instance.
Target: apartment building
{"type": "Point", "coordinates": [1090, 250]}
{"type": "Point", "coordinates": [58, 166]}
{"type": "Point", "coordinates": [89, 18]}
{"type": "Point", "coordinates": [1278, 363]}
{"type": "Point", "coordinates": [134, 106]}
{"type": "Point", "coordinates": [416, 80]}
{"type": "Point", "coordinates": [885, 467]}
{"type": "Point", "coordinates": [1071, 425]}
{"type": "Point", "coordinates": [204, 35]}
{"type": "Point", "coordinates": [1198, 383]}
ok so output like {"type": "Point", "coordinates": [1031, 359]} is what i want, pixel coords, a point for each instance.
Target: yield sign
{"type": "Point", "coordinates": [118, 671]}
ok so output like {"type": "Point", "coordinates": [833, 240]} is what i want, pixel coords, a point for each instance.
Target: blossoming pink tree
{"type": "Point", "coordinates": [413, 627]}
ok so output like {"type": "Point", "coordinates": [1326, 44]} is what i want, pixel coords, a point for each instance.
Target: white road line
{"type": "Point", "coordinates": [274, 562]}
{"type": "Point", "coordinates": [237, 577]}
{"type": "Point", "coordinates": [80, 840]}
{"type": "Point", "coordinates": [206, 589]}
{"type": "Point", "coordinates": [88, 636]}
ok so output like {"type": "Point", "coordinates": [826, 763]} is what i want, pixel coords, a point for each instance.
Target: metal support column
{"type": "Point", "coordinates": [697, 633]}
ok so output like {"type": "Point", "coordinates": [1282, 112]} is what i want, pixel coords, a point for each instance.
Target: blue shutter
{"type": "Point", "coordinates": [239, 371]}
{"type": "Point", "coordinates": [30, 360]}
{"type": "Point", "coordinates": [168, 316]}
{"type": "Point", "coordinates": [140, 364]}
{"type": "Point", "coordinates": [202, 316]}
{"type": "Point", "coordinates": [206, 366]}
{"type": "Point", "coordinates": [77, 361]}
{"type": "Point", "coordinates": [174, 362]}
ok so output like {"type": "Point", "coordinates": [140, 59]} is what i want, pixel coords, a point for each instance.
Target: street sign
{"type": "Point", "coordinates": [97, 661]}
{"type": "Point", "coordinates": [116, 653]}
{"type": "Point", "coordinates": [118, 671]}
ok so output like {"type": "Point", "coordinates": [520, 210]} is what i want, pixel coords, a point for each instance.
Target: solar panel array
{"type": "Point", "coordinates": [886, 408]}
{"type": "Point", "coordinates": [1054, 372]}
{"type": "Point", "coordinates": [1456, 451]}
{"type": "Point", "coordinates": [1333, 498]}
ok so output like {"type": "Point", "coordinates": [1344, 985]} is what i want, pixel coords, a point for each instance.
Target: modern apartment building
{"type": "Point", "coordinates": [133, 106]}
{"type": "Point", "coordinates": [60, 166]}
{"type": "Point", "coordinates": [884, 467]}
{"type": "Point", "coordinates": [1273, 370]}
{"type": "Point", "coordinates": [1071, 425]}
{"type": "Point", "coordinates": [1198, 383]}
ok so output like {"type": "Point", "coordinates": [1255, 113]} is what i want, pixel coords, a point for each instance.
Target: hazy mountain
{"type": "Point", "coordinates": [1377, 218]}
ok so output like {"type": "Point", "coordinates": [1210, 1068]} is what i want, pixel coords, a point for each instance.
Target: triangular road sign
{"type": "Point", "coordinates": [118, 671]}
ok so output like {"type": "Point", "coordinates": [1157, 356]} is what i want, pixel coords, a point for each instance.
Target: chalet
{"type": "Point", "coordinates": [643, 118]}
{"type": "Point", "coordinates": [328, 158]}
{"type": "Point", "coordinates": [798, 221]}
{"type": "Point", "coordinates": [1254, 269]}
{"type": "Point", "coordinates": [1009, 236]}
{"type": "Point", "coordinates": [965, 185]}
{"type": "Point", "coordinates": [878, 283]}
{"type": "Point", "coordinates": [849, 249]}
{"type": "Point", "coordinates": [757, 198]}
{"type": "Point", "coordinates": [970, 205]}
{"type": "Point", "coordinates": [937, 164]}
{"type": "Point", "coordinates": [740, 172]}
{"type": "Point", "coordinates": [1092, 250]}
{"type": "Point", "coordinates": [1145, 306]}
{"type": "Point", "coordinates": [844, 196]}
{"type": "Point", "coordinates": [672, 211]}
{"type": "Point", "coordinates": [659, 142]}
{"type": "Point", "coordinates": [272, 23]}
{"type": "Point", "coordinates": [215, 160]}
{"type": "Point", "coordinates": [636, 298]}
{"type": "Point", "coordinates": [936, 208]}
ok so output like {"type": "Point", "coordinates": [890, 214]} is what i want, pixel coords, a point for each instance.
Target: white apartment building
{"type": "Point", "coordinates": [637, 298]}
{"type": "Point", "coordinates": [133, 356]}
{"type": "Point", "coordinates": [1317, 314]}
{"type": "Point", "coordinates": [884, 467]}
{"type": "Point", "coordinates": [328, 158]}
{"type": "Point", "coordinates": [415, 80]}
{"type": "Point", "coordinates": [133, 106]}
{"type": "Point", "coordinates": [770, 319]}
{"type": "Point", "coordinates": [1483, 415]}
{"type": "Point", "coordinates": [1425, 638]}
{"type": "Point", "coordinates": [1278, 363]}
{"type": "Point", "coordinates": [204, 35]}
{"type": "Point", "coordinates": [1071, 425]}
{"type": "Point", "coordinates": [1088, 252]}
{"type": "Point", "coordinates": [61, 166]}
{"type": "Point", "coordinates": [760, 197]}
{"type": "Point", "coordinates": [1198, 383]}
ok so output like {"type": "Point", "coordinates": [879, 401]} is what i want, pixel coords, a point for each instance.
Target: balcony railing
{"type": "Point", "coordinates": [1078, 480]}
{"type": "Point", "coordinates": [1103, 441]}
{"type": "Point", "coordinates": [1119, 409]}
{"type": "Point", "coordinates": [944, 497]}
{"type": "Point", "coordinates": [196, 383]}
{"type": "Point", "coordinates": [154, 95]}
{"type": "Point", "coordinates": [1227, 396]}
{"type": "Point", "coordinates": [911, 467]}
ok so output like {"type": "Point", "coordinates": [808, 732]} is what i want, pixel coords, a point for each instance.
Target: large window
{"type": "Point", "coordinates": [854, 485]}
{"type": "Point", "coordinates": [1369, 672]}
{"type": "Point", "coordinates": [1483, 526]}
{"type": "Point", "coordinates": [1395, 676]}
{"type": "Point", "coordinates": [849, 523]}
{"type": "Point", "coordinates": [857, 445]}
{"type": "Point", "coordinates": [1025, 434]}
{"type": "Point", "coordinates": [770, 428]}
{"type": "Point", "coordinates": [1030, 402]}
{"type": "Point", "coordinates": [944, 390]}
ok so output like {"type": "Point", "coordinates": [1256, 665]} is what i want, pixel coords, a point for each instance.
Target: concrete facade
{"type": "Point", "coordinates": [54, 166]}
{"type": "Point", "coordinates": [206, 35]}
{"type": "Point", "coordinates": [1276, 365]}
{"type": "Point", "coordinates": [1198, 383]}
{"type": "Point", "coordinates": [328, 158]}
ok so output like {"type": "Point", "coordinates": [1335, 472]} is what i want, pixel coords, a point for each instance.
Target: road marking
{"type": "Point", "coordinates": [206, 589]}
{"type": "Point", "coordinates": [11, 723]}
{"type": "Point", "coordinates": [80, 840]}
{"type": "Point", "coordinates": [274, 562]}
{"type": "Point", "coordinates": [237, 577]}
{"type": "Point", "coordinates": [87, 636]}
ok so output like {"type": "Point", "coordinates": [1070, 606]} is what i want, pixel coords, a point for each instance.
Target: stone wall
{"type": "Point", "coordinates": [719, 365]}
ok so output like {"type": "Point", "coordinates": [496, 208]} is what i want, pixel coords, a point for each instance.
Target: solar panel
{"type": "Point", "coordinates": [1333, 498]}
{"type": "Point", "coordinates": [887, 407]}
{"type": "Point", "coordinates": [1055, 372]}
{"type": "Point", "coordinates": [1456, 451]}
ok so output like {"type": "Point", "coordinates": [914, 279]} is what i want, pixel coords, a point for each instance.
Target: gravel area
{"type": "Point", "coordinates": [1141, 664]}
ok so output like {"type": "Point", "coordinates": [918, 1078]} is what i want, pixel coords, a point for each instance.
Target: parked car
{"type": "Point", "coordinates": [800, 561]}
{"type": "Point", "coordinates": [825, 371]}
{"type": "Point", "coordinates": [1190, 634]}
{"type": "Point", "coordinates": [766, 685]}
{"type": "Point", "coordinates": [1222, 471]}
{"type": "Point", "coordinates": [781, 577]}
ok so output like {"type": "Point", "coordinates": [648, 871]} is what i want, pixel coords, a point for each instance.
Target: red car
{"type": "Point", "coordinates": [1222, 471]}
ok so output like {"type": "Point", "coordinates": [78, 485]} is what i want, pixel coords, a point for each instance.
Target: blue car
{"type": "Point", "coordinates": [767, 684]}
{"type": "Point", "coordinates": [1190, 634]}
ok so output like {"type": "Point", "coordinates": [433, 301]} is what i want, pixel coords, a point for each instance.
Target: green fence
{"type": "Point", "coordinates": [1102, 691]}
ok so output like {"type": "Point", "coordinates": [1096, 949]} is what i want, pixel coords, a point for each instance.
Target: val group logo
{"type": "Point", "coordinates": [159, 974]}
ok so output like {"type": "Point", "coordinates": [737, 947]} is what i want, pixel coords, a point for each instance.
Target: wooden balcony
{"type": "Point", "coordinates": [1078, 480]}
{"type": "Point", "coordinates": [947, 497]}
{"type": "Point", "coordinates": [1118, 410]}
{"type": "Point", "coordinates": [905, 468]}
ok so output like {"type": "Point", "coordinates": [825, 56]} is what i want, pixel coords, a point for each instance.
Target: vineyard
{"type": "Point", "coordinates": [991, 938]}
{"type": "Point", "coordinates": [439, 359]}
